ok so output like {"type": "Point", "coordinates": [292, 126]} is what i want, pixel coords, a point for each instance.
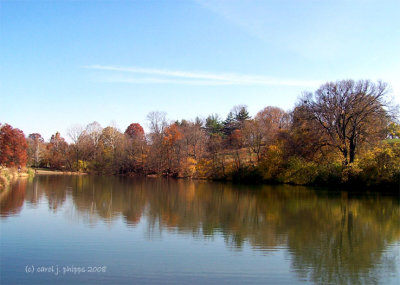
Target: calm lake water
{"type": "Point", "coordinates": [117, 230]}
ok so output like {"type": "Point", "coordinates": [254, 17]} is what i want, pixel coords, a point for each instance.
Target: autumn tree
{"type": "Point", "coordinates": [236, 140]}
{"type": "Point", "coordinates": [349, 113]}
{"type": "Point", "coordinates": [172, 144]}
{"type": "Point", "coordinates": [93, 131]}
{"type": "Point", "coordinates": [35, 149]}
{"type": "Point", "coordinates": [191, 148]}
{"type": "Point", "coordinates": [56, 155]}
{"type": "Point", "coordinates": [216, 153]}
{"type": "Point", "coordinates": [157, 157]}
{"type": "Point", "coordinates": [273, 119]}
{"type": "Point", "coordinates": [135, 147]}
{"type": "Point", "coordinates": [253, 135]}
{"type": "Point", "coordinates": [111, 149]}
{"type": "Point", "coordinates": [79, 146]}
{"type": "Point", "coordinates": [194, 136]}
{"type": "Point", "coordinates": [135, 130]}
{"type": "Point", "coordinates": [110, 136]}
{"type": "Point", "coordinates": [157, 122]}
{"type": "Point", "coordinates": [264, 128]}
{"type": "Point", "coordinates": [305, 138]}
{"type": "Point", "coordinates": [13, 146]}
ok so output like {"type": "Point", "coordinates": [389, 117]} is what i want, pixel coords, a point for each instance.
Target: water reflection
{"type": "Point", "coordinates": [12, 199]}
{"type": "Point", "coordinates": [331, 237]}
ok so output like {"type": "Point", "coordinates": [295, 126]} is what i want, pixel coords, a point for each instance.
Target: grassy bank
{"type": "Point", "coordinates": [7, 175]}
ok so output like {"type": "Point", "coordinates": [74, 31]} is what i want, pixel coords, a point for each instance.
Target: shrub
{"type": "Point", "coordinates": [299, 171]}
{"type": "Point", "coordinates": [381, 165]}
{"type": "Point", "coordinates": [204, 168]}
{"type": "Point", "coordinates": [271, 166]}
{"type": "Point", "coordinates": [188, 168]}
{"type": "Point", "coordinates": [351, 173]}
{"type": "Point", "coordinates": [329, 174]}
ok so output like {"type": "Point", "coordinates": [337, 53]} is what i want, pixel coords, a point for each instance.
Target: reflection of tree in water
{"type": "Point", "coordinates": [12, 199]}
{"type": "Point", "coordinates": [108, 198]}
{"type": "Point", "coordinates": [331, 239]}
{"type": "Point", "coordinates": [51, 188]}
{"type": "Point", "coordinates": [341, 242]}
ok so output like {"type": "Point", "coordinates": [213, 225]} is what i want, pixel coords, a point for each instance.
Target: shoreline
{"type": "Point", "coordinates": [57, 172]}
{"type": "Point", "coordinates": [11, 174]}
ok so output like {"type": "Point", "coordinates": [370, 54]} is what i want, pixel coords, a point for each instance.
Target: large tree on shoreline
{"type": "Point", "coordinates": [349, 113]}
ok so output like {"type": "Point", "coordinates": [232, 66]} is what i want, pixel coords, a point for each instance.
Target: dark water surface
{"type": "Point", "coordinates": [117, 230]}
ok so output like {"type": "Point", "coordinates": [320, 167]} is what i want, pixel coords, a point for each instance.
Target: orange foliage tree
{"type": "Point", "coordinates": [173, 147]}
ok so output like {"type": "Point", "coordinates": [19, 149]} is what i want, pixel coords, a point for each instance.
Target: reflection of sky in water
{"type": "Point", "coordinates": [195, 233]}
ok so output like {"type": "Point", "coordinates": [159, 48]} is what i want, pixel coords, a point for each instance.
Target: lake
{"type": "Point", "coordinates": [122, 230]}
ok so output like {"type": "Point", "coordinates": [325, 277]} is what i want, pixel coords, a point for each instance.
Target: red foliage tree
{"type": "Point", "coordinates": [13, 147]}
{"type": "Point", "coordinates": [56, 155]}
{"type": "Point", "coordinates": [135, 130]}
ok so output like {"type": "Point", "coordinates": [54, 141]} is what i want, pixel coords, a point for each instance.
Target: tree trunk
{"type": "Point", "coordinates": [352, 151]}
{"type": "Point", "coordinates": [345, 156]}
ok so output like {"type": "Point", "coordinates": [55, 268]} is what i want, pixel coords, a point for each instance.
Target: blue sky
{"type": "Point", "coordinates": [69, 62]}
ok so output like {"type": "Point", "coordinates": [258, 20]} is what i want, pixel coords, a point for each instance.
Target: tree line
{"type": "Point", "coordinates": [346, 131]}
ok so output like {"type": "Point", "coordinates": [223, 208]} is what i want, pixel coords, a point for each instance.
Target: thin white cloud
{"type": "Point", "coordinates": [154, 80]}
{"type": "Point", "coordinates": [196, 78]}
